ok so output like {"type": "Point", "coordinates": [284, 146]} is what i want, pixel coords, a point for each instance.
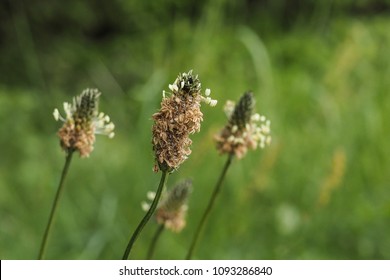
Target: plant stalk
{"type": "Point", "coordinates": [206, 213]}
{"type": "Point", "coordinates": [146, 218]}
{"type": "Point", "coordinates": [156, 236]}
{"type": "Point", "coordinates": [45, 238]}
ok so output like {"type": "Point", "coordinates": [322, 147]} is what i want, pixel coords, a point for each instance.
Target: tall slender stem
{"type": "Point", "coordinates": [154, 241]}
{"type": "Point", "coordinates": [146, 217]}
{"type": "Point", "coordinates": [55, 204]}
{"type": "Point", "coordinates": [206, 213]}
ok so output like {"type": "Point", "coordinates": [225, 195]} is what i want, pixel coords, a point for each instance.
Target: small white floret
{"type": "Point", "coordinates": [145, 206]}
{"type": "Point", "coordinates": [56, 114]}
{"type": "Point", "coordinates": [150, 195]}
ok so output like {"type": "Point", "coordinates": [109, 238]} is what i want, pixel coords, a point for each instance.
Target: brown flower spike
{"type": "Point", "coordinates": [172, 209]}
{"type": "Point", "coordinates": [82, 122]}
{"type": "Point", "coordinates": [244, 129]}
{"type": "Point", "coordinates": [178, 117]}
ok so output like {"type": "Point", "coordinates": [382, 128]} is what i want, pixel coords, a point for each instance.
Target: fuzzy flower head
{"type": "Point", "coordinates": [82, 122]}
{"type": "Point", "coordinates": [244, 129]}
{"type": "Point", "coordinates": [178, 117]}
{"type": "Point", "coordinates": [172, 209]}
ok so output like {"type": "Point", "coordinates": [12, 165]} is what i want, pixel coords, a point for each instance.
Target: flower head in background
{"type": "Point", "coordinates": [244, 129]}
{"type": "Point", "coordinates": [178, 117]}
{"type": "Point", "coordinates": [172, 209]}
{"type": "Point", "coordinates": [82, 122]}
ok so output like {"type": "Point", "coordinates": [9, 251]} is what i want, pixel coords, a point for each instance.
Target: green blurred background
{"type": "Point", "coordinates": [320, 70]}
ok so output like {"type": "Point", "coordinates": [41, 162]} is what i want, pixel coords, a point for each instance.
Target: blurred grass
{"type": "Point", "coordinates": [321, 191]}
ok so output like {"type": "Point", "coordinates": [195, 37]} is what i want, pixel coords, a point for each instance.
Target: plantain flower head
{"type": "Point", "coordinates": [244, 129]}
{"type": "Point", "coordinates": [179, 116]}
{"type": "Point", "coordinates": [172, 209]}
{"type": "Point", "coordinates": [81, 122]}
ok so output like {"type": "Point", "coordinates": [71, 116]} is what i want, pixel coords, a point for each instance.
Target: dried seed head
{"type": "Point", "coordinates": [82, 122]}
{"type": "Point", "coordinates": [244, 129]}
{"type": "Point", "coordinates": [178, 117]}
{"type": "Point", "coordinates": [177, 197]}
{"type": "Point", "coordinates": [171, 210]}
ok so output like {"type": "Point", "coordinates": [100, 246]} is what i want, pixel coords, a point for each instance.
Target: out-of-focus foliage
{"type": "Point", "coordinates": [319, 70]}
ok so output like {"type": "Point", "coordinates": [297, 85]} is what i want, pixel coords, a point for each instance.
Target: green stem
{"type": "Point", "coordinates": [146, 217]}
{"type": "Point", "coordinates": [206, 213]}
{"type": "Point", "coordinates": [55, 204]}
{"type": "Point", "coordinates": [154, 241]}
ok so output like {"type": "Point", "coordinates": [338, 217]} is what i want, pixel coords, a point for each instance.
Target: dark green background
{"type": "Point", "coordinates": [320, 71]}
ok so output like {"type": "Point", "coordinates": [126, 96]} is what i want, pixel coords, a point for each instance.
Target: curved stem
{"type": "Point", "coordinates": [55, 204]}
{"type": "Point", "coordinates": [154, 241]}
{"type": "Point", "coordinates": [206, 213]}
{"type": "Point", "coordinates": [146, 217]}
